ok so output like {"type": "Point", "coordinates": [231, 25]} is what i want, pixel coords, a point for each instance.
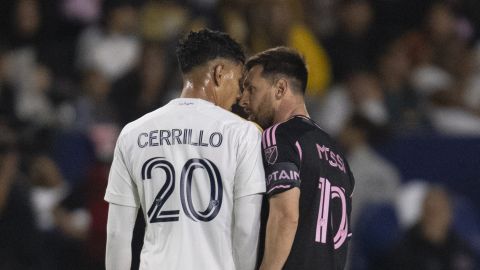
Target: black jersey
{"type": "Point", "coordinates": [298, 154]}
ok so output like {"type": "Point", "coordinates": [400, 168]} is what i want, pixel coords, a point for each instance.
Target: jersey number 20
{"type": "Point", "coordinates": [155, 212]}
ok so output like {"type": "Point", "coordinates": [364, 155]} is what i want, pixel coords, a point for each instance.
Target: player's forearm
{"type": "Point", "coordinates": [246, 231]}
{"type": "Point", "coordinates": [279, 240]}
{"type": "Point", "coordinates": [118, 253]}
{"type": "Point", "coordinates": [121, 221]}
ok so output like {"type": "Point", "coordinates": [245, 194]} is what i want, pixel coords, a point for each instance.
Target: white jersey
{"type": "Point", "coordinates": [185, 164]}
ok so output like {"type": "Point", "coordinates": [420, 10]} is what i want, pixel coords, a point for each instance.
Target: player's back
{"type": "Point", "coordinates": [298, 153]}
{"type": "Point", "coordinates": [183, 159]}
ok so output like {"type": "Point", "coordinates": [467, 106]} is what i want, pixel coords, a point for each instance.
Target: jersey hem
{"type": "Point", "coordinates": [258, 188]}
{"type": "Point", "coordinates": [120, 200]}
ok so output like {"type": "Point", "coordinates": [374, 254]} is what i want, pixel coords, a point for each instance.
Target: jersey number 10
{"type": "Point", "coordinates": [155, 212]}
{"type": "Point", "coordinates": [328, 193]}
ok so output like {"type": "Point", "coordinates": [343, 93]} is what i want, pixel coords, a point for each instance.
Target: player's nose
{"type": "Point", "coordinates": [239, 96]}
{"type": "Point", "coordinates": [243, 99]}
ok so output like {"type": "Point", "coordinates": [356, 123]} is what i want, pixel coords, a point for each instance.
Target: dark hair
{"type": "Point", "coordinates": [282, 60]}
{"type": "Point", "coordinates": [200, 47]}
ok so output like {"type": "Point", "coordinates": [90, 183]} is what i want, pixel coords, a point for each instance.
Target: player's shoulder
{"type": "Point", "coordinates": [293, 129]}
{"type": "Point", "coordinates": [288, 128]}
{"type": "Point", "coordinates": [140, 122]}
{"type": "Point", "coordinates": [225, 116]}
{"type": "Point", "coordinates": [233, 121]}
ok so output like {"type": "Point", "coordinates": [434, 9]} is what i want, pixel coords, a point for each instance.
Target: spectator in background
{"type": "Point", "coordinates": [431, 244]}
{"type": "Point", "coordinates": [93, 105]}
{"type": "Point", "coordinates": [61, 236]}
{"type": "Point", "coordinates": [7, 94]}
{"type": "Point", "coordinates": [81, 219]}
{"type": "Point", "coordinates": [361, 94]}
{"type": "Point", "coordinates": [163, 21]}
{"type": "Point", "coordinates": [321, 15]}
{"type": "Point", "coordinates": [98, 211]}
{"type": "Point", "coordinates": [48, 189]}
{"type": "Point", "coordinates": [112, 48]}
{"type": "Point", "coordinates": [145, 88]}
{"type": "Point", "coordinates": [83, 11]}
{"type": "Point", "coordinates": [470, 80]}
{"type": "Point", "coordinates": [470, 12]}
{"type": "Point", "coordinates": [31, 80]}
{"type": "Point", "coordinates": [450, 117]}
{"type": "Point", "coordinates": [444, 74]}
{"type": "Point", "coordinates": [280, 22]}
{"type": "Point", "coordinates": [377, 180]}
{"type": "Point", "coordinates": [393, 18]}
{"type": "Point", "coordinates": [233, 17]}
{"type": "Point", "coordinates": [20, 246]}
{"type": "Point", "coordinates": [426, 76]}
{"type": "Point", "coordinates": [442, 30]}
{"type": "Point", "coordinates": [25, 23]}
{"type": "Point", "coordinates": [405, 111]}
{"type": "Point", "coordinates": [349, 48]}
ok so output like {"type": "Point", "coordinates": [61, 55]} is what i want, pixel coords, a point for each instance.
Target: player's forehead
{"type": "Point", "coordinates": [253, 75]}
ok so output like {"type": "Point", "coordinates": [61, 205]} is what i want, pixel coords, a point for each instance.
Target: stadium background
{"type": "Point", "coordinates": [397, 82]}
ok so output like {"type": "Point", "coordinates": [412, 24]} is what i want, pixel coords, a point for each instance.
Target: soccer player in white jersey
{"type": "Point", "coordinates": [193, 167]}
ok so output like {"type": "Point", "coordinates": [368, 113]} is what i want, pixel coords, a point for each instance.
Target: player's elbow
{"type": "Point", "coordinates": [113, 234]}
{"type": "Point", "coordinates": [291, 219]}
{"type": "Point", "coordinates": [118, 236]}
{"type": "Point", "coordinates": [287, 217]}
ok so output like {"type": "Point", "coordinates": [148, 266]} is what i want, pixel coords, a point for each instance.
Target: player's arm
{"type": "Point", "coordinates": [121, 221]}
{"type": "Point", "coordinates": [282, 168]}
{"type": "Point", "coordinates": [246, 230]}
{"type": "Point", "coordinates": [249, 188]}
{"type": "Point", "coordinates": [122, 196]}
{"type": "Point", "coordinates": [281, 228]}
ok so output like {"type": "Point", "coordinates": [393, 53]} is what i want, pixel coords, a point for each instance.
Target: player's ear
{"type": "Point", "coordinates": [281, 86]}
{"type": "Point", "coordinates": [218, 71]}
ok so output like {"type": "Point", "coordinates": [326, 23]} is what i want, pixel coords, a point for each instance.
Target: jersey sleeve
{"type": "Point", "coordinates": [121, 188]}
{"type": "Point", "coordinates": [249, 175]}
{"type": "Point", "coordinates": [281, 160]}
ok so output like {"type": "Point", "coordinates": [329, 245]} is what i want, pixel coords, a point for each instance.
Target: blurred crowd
{"type": "Point", "coordinates": [74, 72]}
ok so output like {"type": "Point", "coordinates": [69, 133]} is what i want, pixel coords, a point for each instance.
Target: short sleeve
{"type": "Point", "coordinates": [121, 188]}
{"type": "Point", "coordinates": [249, 175]}
{"type": "Point", "coordinates": [281, 161]}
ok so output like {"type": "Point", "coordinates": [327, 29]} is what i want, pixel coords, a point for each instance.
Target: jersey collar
{"type": "Point", "coordinates": [191, 101]}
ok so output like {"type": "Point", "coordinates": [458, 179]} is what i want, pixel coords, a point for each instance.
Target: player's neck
{"type": "Point", "coordinates": [287, 110]}
{"type": "Point", "coordinates": [193, 93]}
{"type": "Point", "coordinates": [196, 88]}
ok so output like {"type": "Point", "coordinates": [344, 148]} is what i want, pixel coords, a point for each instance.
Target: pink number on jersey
{"type": "Point", "coordinates": [327, 193]}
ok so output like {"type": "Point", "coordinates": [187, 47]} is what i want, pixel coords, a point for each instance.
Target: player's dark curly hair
{"type": "Point", "coordinates": [197, 48]}
{"type": "Point", "coordinates": [282, 61]}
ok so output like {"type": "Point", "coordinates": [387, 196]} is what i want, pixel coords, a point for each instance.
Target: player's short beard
{"type": "Point", "coordinates": [264, 117]}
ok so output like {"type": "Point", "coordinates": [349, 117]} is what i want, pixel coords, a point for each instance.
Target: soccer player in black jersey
{"type": "Point", "coordinates": [309, 183]}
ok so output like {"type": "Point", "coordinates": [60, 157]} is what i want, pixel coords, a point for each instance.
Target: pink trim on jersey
{"type": "Point", "coordinates": [263, 139]}
{"type": "Point", "coordinates": [269, 130]}
{"type": "Point", "coordinates": [279, 186]}
{"type": "Point", "coordinates": [274, 136]}
{"type": "Point", "coordinates": [269, 136]}
{"type": "Point", "coordinates": [297, 144]}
